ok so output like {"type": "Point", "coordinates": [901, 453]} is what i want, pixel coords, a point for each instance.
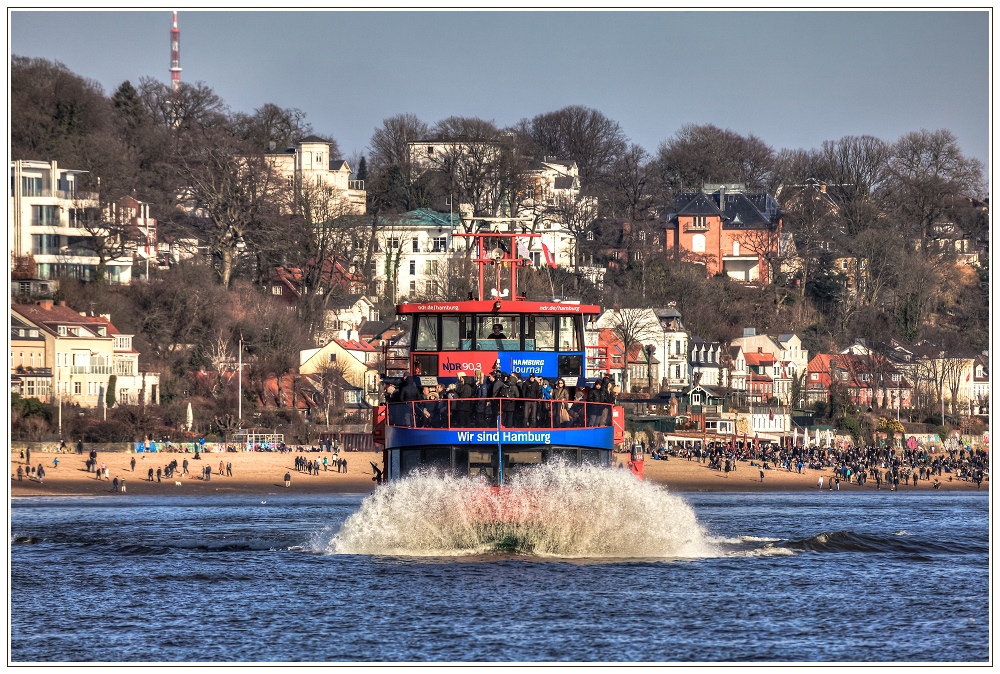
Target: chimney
{"type": "Point", "coordinates": [722, 198]}
{"type": "Point", "coordinates": [822, 188]}
{"type": "Point", "coordinates": [62, 303]}
{"type": "Point", "coordinates": [45, 304]}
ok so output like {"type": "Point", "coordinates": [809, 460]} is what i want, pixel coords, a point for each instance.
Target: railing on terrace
{"type": "Point", "coordinates": [461, 413]}
{"type": "Point", "coordinates": [356, 185]}
{"type": "Point", "coordinates": [78, 195]}
{"type": "Point", "coordinates": [91, 369]}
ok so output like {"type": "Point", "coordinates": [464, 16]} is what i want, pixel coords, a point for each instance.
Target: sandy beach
{"type": "Point", "coordinates": [263, 473]}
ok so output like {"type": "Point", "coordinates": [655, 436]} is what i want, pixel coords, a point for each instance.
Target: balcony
{"type": "Point", "coordinates": [70, 195]}
{"type": "Point", "coordinates": [356, 185]}
{"type": "Point", "coordinates": [90, 369]}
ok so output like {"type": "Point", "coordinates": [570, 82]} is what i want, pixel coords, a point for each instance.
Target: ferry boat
{"type": "Point", "coordinates": [496, 339]}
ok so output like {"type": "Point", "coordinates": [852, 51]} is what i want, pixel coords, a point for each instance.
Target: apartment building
{"type": "Point", "coordinates": [46, 213]}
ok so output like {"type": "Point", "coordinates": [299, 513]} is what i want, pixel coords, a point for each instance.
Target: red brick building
{"type": "Point", "coordinates": [731, 230]}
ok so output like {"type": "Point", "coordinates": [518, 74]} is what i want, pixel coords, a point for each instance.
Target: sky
{"type": "Point", "coordinates": [791, 78]}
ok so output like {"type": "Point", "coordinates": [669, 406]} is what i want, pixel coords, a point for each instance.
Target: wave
{"type": "Point", "coordinates": [850, 541]}
{"type": "Point", "coordinates": [554, 510]}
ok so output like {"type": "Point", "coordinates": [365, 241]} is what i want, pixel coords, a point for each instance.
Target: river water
{"type": "Point", "coordinates": [596, 567]}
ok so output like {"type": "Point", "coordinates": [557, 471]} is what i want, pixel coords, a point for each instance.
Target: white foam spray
{"type": "Point", "coordinates": [553, 510]}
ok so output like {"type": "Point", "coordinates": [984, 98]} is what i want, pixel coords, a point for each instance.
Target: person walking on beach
{"type": "Point", "coordinates": [132, 462]}
{"type": "Point", "coordinates": [820, 481]}
{"type": "Point", "coordinates": [41, 473]}
{"type": "Point", "coordinates": [121, 485]}
{"type": "Point", "coordinates": [20, 471]}
{"type": "Point", "coordinates": [761, 474]}
{"type": "Point", "coordinates": [222, 468]}
{"type": "Point", "coordinates": [114, 484]}
{"type": "Point", "coordinates": [288, 479]}
{"type": "Point", "coordinates": [27, 457]}
{"type": "Point", "coordinates": [158, 474]}
{"type": "Point", "coordinates": [150, 474]}
{"type": "Point", "coordinates": [185, 467]}
{"type": "Point", "coordinates": [229, 468]}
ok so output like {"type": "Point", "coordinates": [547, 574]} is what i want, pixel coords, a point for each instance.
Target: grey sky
{"type": "Point", "coordinates": [794, 79]}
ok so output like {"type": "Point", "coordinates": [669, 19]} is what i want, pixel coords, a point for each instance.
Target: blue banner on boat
{"type": "Point", "coordinates": [539, 363]}
{"type": "Point", "coordinates": [602, 438]}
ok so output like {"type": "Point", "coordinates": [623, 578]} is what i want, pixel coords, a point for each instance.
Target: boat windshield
{"type": "Point", "coordinates": [497, 332]}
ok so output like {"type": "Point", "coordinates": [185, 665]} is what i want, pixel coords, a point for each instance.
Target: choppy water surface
{"type": "Point", "coordinates": [583, 566]}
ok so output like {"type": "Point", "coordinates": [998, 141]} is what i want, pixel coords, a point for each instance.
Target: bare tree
{"type": "Point", "coordinates": [699, 154]}
{"type": "Point", "coordinates": [629, 190]}
{"type": "Point", "coordinates": [230, 191]}
{"type": "Point", "coordinates": [273, 129]}
{"type": "Point", "coordinates": [390, 143]}
{"type": "Point", "coordinates": [574, 215]}
{"type": "Point", "coordinates": [579, 133]}
{"type": "Point", "coordinates": [930, 180]}
{"type": "Point", "coordinates": [632, 326]}
{"type": "Point", "coordinates": [111, 235]}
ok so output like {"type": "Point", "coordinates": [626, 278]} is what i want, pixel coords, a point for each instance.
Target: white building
{"type": "Point", "coordinates": [415, 253]}
{"type": "Point", "coordinates": [46, 217]}
{"type": "Point", "coordinates": [309, 164]}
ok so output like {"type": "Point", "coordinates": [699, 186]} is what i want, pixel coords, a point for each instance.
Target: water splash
{"type": "Point", "coordinates": [552, 510]}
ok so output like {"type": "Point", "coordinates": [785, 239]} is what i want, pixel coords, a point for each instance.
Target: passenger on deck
{"type": "Point", "coordinates": [461, 411]}
{"type": "Point", "coordinates": [560, 403]}
{"type": "Point", "coordinates": [532, 391]}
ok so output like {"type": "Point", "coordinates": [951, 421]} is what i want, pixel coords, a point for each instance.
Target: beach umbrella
{"type": "Point", "coordinates": [817, 437]}
{"type": "Point", "coordinates": [795, 437]}
{"type": "Point", "coordinates": [190, 417]}
{"type": "Point", "coordinates": [829, 438]}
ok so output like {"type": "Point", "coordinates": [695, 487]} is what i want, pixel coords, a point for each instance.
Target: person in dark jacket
{"type": "Point", "coordinates": [408, 394]}
{"type": "Point", "coordinates": [509, 390]}
{"type": "Point", "coordinates": [531, 392]}
{"type": "Point", "coordinates": [463, 410]}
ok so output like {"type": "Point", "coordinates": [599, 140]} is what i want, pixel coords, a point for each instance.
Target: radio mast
{"type": "Point", "coordinates": [175, 55]}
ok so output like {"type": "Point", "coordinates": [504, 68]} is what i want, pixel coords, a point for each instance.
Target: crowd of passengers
{"type": "Point", "coordinates": [483, 399]}
{"type": "Point", "coordinates": [856, 464]}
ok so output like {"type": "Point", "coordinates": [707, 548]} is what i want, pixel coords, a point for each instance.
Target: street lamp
{"type": "Point", "coordinates": [240, 381]}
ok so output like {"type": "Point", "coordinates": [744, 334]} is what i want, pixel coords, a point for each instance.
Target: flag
{"type": "Point", "coordinates": [771, 417]}
{"type": "Point", "coordinates": [548, 256]}
{"type": "Point", "coordinates": [522, 250]}
{"type": "Point", "coordinates": [968, 376]}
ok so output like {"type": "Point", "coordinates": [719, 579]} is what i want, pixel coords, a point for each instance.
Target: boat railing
{"type": "Point", "coordinates": [510, 413]}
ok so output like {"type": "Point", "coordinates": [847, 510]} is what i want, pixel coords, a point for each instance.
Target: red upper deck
{"type": "Point", "coordinates": [497, 306]}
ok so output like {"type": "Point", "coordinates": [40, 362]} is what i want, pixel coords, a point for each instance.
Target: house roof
{"type": "Point", "coordinates": [50, 319]}
{"type": "Point", "coordinates": [355, 345]}
{"type": "Point", "coordinates": [739, 209]}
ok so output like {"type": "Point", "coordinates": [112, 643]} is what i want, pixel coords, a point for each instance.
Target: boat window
{"type": "Point", "coordinates": [568, 338]}
{"type": "Point", "coordinates": [510, 328]}
{"type": "Point", "coordinates": [427, 333]}
{"type": "Point", "coordinates": [454, 333]}
{"type": "Point", "coordinates": [540, 333]}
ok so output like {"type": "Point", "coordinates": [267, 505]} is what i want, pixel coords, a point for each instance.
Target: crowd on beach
{"type": "Point", "coordinates": [855, 464]}
{"type": "Point", "coordinates": [483, 399]}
